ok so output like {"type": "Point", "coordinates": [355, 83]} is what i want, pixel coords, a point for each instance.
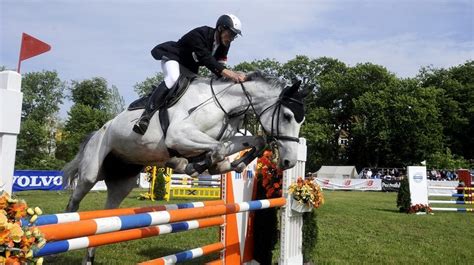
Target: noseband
{"type": "Point", "coordinates": [270, 137]}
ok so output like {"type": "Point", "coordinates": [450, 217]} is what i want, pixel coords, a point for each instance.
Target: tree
{"type": "Point", "coordinates": [320, 127]}
{"type": "Point", "coordinates": [94, 104]}
{"type": "Point", "coordinates": [116, 103]}
{"type": "Point", "coordinates": [395, 126]}
{"type": "Point", "coordinates": [144, 88]}
{"type": "Point", "coordinates": [43, 93]}
{"type": "Point", "coordinates": [455, 103]}
{"type": "Point", "coordinates": [91, 92]}
{"type": "Point", "coordinates": [268, 66]}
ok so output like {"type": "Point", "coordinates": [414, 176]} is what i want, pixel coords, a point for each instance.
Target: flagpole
{"type": "Point", "coordinates": [19, 56]}
{"type": "Point", "coordinates": [19, 64]}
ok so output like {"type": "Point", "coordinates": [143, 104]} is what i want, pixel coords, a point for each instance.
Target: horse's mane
{"type": "Point", "coordinates": [251, 76]}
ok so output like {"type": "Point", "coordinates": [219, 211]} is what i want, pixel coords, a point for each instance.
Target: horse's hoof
{"type": "Point", "coordinates": [241, 167]}
{"type": "Point", "coordinates": [189, 170]}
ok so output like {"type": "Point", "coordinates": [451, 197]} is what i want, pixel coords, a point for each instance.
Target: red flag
{"type": "Point", "coordinates": [31, 46]}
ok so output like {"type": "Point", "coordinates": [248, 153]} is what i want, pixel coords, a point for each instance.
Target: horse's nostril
{"type": "Point", "coordinates": [286, 163]}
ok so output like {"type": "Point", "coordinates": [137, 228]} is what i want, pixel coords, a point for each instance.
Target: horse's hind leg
{"type": "Point", "coordinates": [84, 185]}
{"type": "Point", "coordinates": [117, 190]}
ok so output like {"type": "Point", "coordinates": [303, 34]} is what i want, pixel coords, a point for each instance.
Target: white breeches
{"type": "Point", "coordinates": [171, 71]}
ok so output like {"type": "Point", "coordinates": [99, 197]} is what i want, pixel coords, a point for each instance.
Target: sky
{"type": "Point", "coordinates": [113, 38]}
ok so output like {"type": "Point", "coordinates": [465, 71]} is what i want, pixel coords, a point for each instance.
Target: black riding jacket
{"type": "Point", "coordinates": [194, 49]}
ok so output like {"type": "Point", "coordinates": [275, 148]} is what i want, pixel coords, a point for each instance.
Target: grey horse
{"type": "Point", "coordinates": [203, 124]}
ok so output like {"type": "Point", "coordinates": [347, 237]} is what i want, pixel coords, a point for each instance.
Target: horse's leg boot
{"type": "Point", "coordinates": [154, 102]}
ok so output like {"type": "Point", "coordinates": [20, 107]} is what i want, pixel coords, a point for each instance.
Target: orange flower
{"type": "Point", "coordinates": [13, 260]}
{"type": "Point", "coordinates": [3, 222]}
{"type": "Point", "coordinates": [4, 236]}
{"type": "Point", "coordinates": [26, 242]}
{"type": "Point", "coordinates": [3, 201]}
{"type": "Point", "coordinates": [17, 210]}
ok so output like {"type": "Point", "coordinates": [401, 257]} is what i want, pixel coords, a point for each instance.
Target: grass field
{"type": "Point", "coordinates": [353, 228]}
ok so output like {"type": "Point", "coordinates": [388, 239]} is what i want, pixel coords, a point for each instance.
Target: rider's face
{"type": "Point", "coordinates": [227, 36]}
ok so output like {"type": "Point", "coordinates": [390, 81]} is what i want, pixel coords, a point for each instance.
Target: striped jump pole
{"type": "Point", "coordinates": [186, 255]}
{"type": "Point", "coordinates": [95, 226]}
{"type": "Point", "coordinates": [454, 209]}
{"type": "Point", "coordinates": [450, 188]}
{"type": "Point", "coordinates": [451, 202]}
{"type": "Point", "coordinates": [126, 235]}
{"type": "Point", "coordinates": [450, 195]}
{"type": "Point", "coordinates": [78, 216]}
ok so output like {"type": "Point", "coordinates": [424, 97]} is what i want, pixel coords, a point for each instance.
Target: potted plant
{"type": "Point", "coordinates": [306, 195]}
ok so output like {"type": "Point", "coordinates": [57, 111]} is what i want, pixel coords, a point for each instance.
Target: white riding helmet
{"type": "Point", "coordinates": [229, 21]}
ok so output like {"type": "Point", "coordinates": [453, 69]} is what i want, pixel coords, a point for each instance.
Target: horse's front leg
{"type": "Point", "coordinates": [190, 141]}
{"type": "Point", "coordinates": [255, 146]}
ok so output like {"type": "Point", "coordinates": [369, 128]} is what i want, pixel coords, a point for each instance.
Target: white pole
{"type": "Point", "coordinates": [10, 116]}
{"type": "Point", "coordinates": [291, 234]}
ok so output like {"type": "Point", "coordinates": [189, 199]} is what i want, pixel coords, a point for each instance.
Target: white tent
{"type": "Point", "coordinates": [337, 172]}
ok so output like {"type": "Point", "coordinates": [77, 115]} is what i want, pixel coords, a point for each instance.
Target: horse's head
{"type": "Point", "coordinates": [281, 120]}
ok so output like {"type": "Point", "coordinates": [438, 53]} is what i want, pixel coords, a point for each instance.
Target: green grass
{"type": "Point", "coordinates": [365, 227]}
{"type": "Point", "coordinates": [353, 228]}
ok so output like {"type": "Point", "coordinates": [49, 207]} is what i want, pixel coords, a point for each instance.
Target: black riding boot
{"type": "Point", "coordinates": [156, 99]}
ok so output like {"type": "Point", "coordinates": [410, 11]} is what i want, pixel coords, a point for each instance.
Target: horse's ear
{"type": "Point", "coordinates": [293, 89]}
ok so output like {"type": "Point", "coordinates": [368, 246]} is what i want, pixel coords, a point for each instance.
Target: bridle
{"type": "Point", "coordinates": [271, 137]}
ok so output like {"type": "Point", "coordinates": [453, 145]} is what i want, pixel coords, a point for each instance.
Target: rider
{"type": "Point", "coordinates": [202, 46]}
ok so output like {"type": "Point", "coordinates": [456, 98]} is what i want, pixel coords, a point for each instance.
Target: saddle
{"type": "Point", "coordinates": [173, 96]}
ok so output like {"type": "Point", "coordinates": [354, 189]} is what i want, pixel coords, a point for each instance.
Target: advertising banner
{"type": "Point", "coordinates": [418, 184]}
{"type": "Point", "coordinates": [37, 180]}
{"type": "Point", "coordinates": [350, 184]}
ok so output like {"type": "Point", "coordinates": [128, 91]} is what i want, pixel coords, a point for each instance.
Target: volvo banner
{"type": "Point", "coordinates": [37, 180]}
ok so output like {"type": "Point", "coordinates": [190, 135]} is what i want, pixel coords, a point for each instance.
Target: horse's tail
{"type": "Point", "coordinates": [71, 169]}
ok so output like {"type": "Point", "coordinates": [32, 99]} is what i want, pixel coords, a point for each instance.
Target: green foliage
{"type": "Point", "coordinates": [446, 160]}
{"type": "Point", "coordinates": [144, 88]}
{"type": "Point", "coordinates": [160, 186]}
{"type": "Point", "coordinates": [455, 103]}
{"type": "Point", "coordinates": [91, 92]}
{"type": "Point", "coordinates": [396, 125]}
{"type": "Point", "coordinates": [310, 234]}
{"type": "Point", "coordinates": [403, 196]}
{"type": "Point", "coordinates": [94, 104]}
{"type": "Point", "coordinates": [43, 93]}
{"type": "Point", "coordinates": [116, 103]}
{"type": "Point", "coordinates": [82, 121]}
{"type": "Point", "coordinates": [270, 67]}
{"type": "Point", "coordinates": [32, 146]}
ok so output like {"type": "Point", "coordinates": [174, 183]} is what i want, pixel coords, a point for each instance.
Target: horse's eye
{"type": "Point", "coordinates": [287, 117]}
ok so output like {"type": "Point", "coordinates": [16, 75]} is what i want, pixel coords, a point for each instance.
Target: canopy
{"type": "Point", "coordinates": [337, 172]}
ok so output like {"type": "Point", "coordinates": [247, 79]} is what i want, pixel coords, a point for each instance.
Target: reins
{"type": "Point", "coordinates": [276, 110]}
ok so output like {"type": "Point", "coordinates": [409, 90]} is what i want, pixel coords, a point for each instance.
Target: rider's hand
{"type": "Point", "coordinates": [236, 77]}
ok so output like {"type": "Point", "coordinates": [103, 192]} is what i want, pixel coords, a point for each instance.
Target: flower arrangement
{"type": "Point", "coordinates": [17, 243]}
{"type": "Point", "coordinates": [416, 208]}
{"type": "Point", "coordinates": [270, 175]}
{"type": "Point", "coordinates": [306, 192]}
